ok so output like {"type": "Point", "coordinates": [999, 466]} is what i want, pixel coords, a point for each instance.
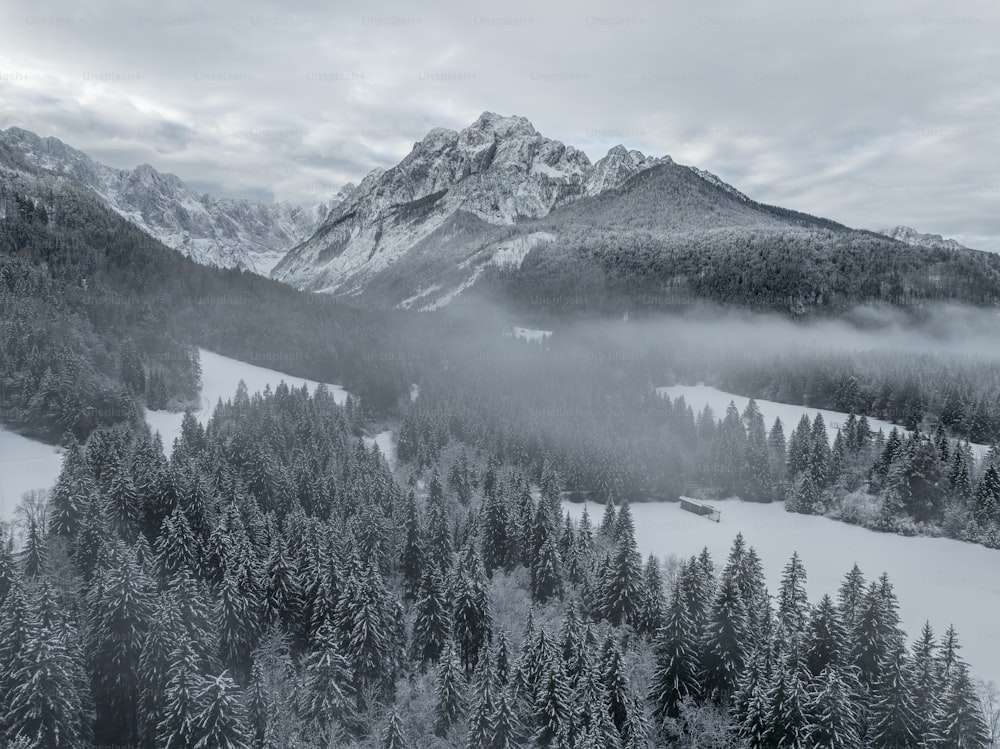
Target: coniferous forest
{"type": "Point", "coordinates": [271, 584]}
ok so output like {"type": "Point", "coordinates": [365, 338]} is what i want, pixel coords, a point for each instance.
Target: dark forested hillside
{"type": "Point", "coordinates": [99, 319]}
{"type": "Point", "coordinates": [271, 585]}
{"type": "Point", "coordinates": [661, 243]}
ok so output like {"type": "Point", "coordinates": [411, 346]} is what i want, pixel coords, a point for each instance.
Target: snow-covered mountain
{"type": "Point", "coordinates": [225, 232]}
{"type": "Point", "coordinates": [497, 172]}
{"type": "Point", "coordinates": [909, 236]}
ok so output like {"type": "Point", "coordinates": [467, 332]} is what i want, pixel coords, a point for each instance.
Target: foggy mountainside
{"type": "Point", "coordinates": [276, 580]}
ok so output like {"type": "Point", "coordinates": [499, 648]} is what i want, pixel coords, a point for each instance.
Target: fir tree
{"type": "Point", "coordinates": [450, 691]}
{"type": "Point", "coordinates": [327, 690]}
{"type": "Point", "coordinates": [552, 713]}
{"type": "Point", "coordinates": [44, 704]}
{"type": "Point", "coordinates": [432, 623]}
{"type": "Point", "coordinates": [412, 555]}
{"type": "Point", "coordinates": [960, 722]}
{"type": "Point", "coordinates": [724, 643]}
{"type": "Point", "coordinates": [392, 735]}
{"type": "Point", "coordinates": [676, 675]}
{"type": "Point", "coordinates": [834, 718]}
{"type": "Point", "coordinates": [925, 685]}
{"type": "Point", "coordinates": [788, 701]}
{"type": "Point", "coordinates": [893, 720]}
{"type": "Point", "coordinates": [121, 601]}
{"type": "Point", "coordinates": [481, 727]}
{"type": "Point", "coordinates": [825, 637]}
{"type": "Point", "coordinates": [177, 728]}
{"type": "Point", "coordinates": [221, 718]}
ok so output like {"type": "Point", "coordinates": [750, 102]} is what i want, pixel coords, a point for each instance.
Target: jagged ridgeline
{"type": "Point", "coordinates": [98, 318]}
{"type": "Point", "coordinates": [271, 585]}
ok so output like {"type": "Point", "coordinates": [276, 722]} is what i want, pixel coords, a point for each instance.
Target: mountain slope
{"type": "Point", "coordinates": [213, 231]}
{"type": "Point", "coordinates": [499, 169]}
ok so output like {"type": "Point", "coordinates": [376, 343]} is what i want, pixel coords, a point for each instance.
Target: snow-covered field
{"type": "Point", "coordinates": [220, 376]}
{"type": "Point", "coordinates": [25, 464]}
{"type": "Point", "coordinates": [937, 580]}
{"type": "Point", "coordinates": [698, 396]}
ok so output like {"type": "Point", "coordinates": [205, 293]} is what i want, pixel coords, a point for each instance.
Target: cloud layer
{"type": "Point", "coordinates": [871, 117]}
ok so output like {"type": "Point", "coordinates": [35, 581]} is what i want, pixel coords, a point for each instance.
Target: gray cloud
{"type": "Point", "coordinates": [871, 115]}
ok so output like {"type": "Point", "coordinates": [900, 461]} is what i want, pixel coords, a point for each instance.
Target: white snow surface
{"type": "Point", "coordinates": [25, 464]}
{"type": "Point", "coordinates": [220, 377]}
{"type": "Point", "coordinates": [699, 396]}
{"type": "Point", "coordinates": [385, 446]}
{"type": "Point", "coordinates": [939, 580]}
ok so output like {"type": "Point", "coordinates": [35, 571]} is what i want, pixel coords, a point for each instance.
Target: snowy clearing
{"type": "Point", "coordinates": [938, 580]}
{"type": "Point", "coordinates": [385, 446]}
{"type": "Point", "coordinates": [698, 396]}
{"type": "Point", "coordinates": [220, 377]}
{"type": "Point", "coordinates": [25, 464]}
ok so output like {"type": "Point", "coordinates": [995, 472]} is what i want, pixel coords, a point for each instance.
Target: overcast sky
{"type": "Point", "coordinates": [873, 114]}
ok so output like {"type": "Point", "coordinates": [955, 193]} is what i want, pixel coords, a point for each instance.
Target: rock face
{"type": "Point", "coordinates": [214, 231]}
{"type": "Point", "coordinates": [912, 237]}
{"type": "Point", "coordinates": [499, 171]}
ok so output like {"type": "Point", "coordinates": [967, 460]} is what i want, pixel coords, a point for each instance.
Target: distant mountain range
{"type": "Point", "coordinates": [912, 237]}
{"type": "Point", "coordinates": [225, 232]}
{"type": "Point", "coordinates": [498, 210]}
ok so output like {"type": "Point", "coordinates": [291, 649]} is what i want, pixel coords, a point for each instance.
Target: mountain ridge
{"type": "Point", "coordinates": [226, 232]}
{"type": "Point", "coordinates": [499, 169]}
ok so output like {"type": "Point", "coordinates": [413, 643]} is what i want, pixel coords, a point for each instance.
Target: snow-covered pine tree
{"type": "Point", "coordinates": [676, 674]}
{"type": "Point", "coordinates": [893, 718]}
{"type": "Point", "coordinates": [393, 736]}
{"type": "Point", "coordinates": [176, 729]}
{"type": "Point", "coordinates": [450, 691]}
{"type": "Point", "coordinates": [960, 723]}
{"type": "Point", "coordinates": [833, 710]}
{"type": "Point", "coordinates": [121, 600]}
{"type": "Point", "coordinates": [221, 718]}
{"type": "Point", "coordinates": [43, 703]}
{"type": "Point", "coordinates": [432, 624]}
{"type": "Point", "coordinates": [552, 716]}
{"type": "Point", "coordinates": [327, 693]}
{"type": "Point", "coordinates": [724, 643]}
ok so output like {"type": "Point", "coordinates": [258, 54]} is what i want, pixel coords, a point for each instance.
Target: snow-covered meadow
{"type": "Point", "coordinates": [25, 464]}
{"type": "Point", "coordinates": [699, 396]}
{"type": "Point", "coordinates": [938, 580]}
